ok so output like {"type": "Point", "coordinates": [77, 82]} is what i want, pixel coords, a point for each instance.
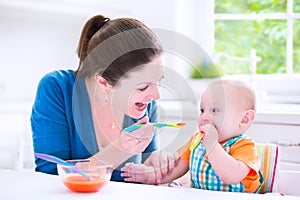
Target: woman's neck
{"type": "Point", "coordinates": [107, 121]}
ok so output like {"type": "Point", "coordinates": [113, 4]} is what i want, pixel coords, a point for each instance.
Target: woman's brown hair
{"type": "Point", "coordinates": [113, 47]}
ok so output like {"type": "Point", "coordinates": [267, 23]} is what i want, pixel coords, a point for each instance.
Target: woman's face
{"type": "Point", "coordinates": [137, 89]}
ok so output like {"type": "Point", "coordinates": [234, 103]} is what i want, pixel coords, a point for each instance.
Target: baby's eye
{"type": "Point", "coordinates": [215, 110]}
{"type": "Point", "coordinates": [202, 110]}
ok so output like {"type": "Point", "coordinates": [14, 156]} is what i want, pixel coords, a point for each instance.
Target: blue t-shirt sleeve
{"type": "Point", "coordinates": [49, 123]}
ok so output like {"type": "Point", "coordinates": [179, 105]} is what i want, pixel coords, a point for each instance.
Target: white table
{"type": "Point", "coordinates": [32, 185]}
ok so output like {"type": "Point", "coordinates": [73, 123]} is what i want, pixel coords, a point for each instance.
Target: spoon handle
{"type": "Point", "coordinates": [52, 159]}
{"type": "Point", "coordinates": [158, 125]}
{"type": "Point", "coordinates": [57, 160]}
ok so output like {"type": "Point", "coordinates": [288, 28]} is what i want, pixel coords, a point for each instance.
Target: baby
{"type": "Point", "coordinates": [226, 159]}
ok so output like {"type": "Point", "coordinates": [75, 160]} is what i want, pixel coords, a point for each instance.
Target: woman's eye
{"type": "Point", "coordinates": [215, 110]}
{"type": "Point", "coordinates": [143, 88]}
{"type": "Point", "coordinates": [161, 78]}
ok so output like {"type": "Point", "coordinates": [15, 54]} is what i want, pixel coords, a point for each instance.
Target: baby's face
{"type": "Point", "coordinates": [220, 108]}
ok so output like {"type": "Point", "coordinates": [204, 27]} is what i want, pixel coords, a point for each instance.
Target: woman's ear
{"type": "Point", "coordinates": [247, 118]}
{"type": "Point", "coordinates": [102, 82]}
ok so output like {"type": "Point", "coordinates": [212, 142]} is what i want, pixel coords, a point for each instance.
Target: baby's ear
{"type": "Point", "coordinates": [248, 118]}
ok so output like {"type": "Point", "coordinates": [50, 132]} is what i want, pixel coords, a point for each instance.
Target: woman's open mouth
{"type": "Point", "coordinates": [141, 106]}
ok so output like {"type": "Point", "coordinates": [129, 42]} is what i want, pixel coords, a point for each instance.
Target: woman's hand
{"type": "Point", "coordinates": [162, 163]}
{"type": "Point", "coordinates": [137, 141]}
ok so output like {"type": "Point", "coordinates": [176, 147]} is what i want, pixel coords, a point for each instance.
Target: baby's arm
{"type": "Point", "coordinates": [146, 174]}
{"type": "Point", "coordinates": [230, 170]}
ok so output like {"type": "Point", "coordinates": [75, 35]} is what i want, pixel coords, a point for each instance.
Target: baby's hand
{"type": "Point", "coordinates": [138, 173]}
{"type": "Point", "coordinates": [211, 136]}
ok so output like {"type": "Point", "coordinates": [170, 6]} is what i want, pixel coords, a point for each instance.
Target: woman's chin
{"type": "Point", "coordinates": [137, 113]}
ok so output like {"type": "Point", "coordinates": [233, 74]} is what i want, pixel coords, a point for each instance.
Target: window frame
{"type": "Point", "coordinates": [289, 16]}
{"type": "Point", "coordinates": [267, 81]}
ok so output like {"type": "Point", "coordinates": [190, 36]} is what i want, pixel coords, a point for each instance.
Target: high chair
{"type": "Point", "coordinates": [269, 163]}
{"type": "Point", "coordinates": [269, 158]}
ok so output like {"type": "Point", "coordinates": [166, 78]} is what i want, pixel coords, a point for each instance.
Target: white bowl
{"type": "Point", "coordinates": [85, 175]}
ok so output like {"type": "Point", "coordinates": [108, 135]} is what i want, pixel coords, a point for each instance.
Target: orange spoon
{"type": "Point", "coordinates": [196, 140]}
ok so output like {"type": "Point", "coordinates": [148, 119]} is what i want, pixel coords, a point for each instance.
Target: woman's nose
{"type": "Point", "coordinates": [155, 92]}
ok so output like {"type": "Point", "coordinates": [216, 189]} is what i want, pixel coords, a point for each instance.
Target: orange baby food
{"type": "Point", "coordinates": [78, 183]}
{"type": "Point", "coordinates": [180, 124]}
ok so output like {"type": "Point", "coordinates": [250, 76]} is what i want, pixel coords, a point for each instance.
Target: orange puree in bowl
{"type": "Point", "coordinates": [78, 183]}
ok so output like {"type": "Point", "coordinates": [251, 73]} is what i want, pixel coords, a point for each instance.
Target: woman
{"type": "Point", "coordinates": [81, 114]}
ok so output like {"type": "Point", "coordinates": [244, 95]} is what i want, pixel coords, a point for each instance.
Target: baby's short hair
{"type": "Point", "coordinates": [241, 91]}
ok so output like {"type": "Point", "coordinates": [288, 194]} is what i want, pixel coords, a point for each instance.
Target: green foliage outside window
{"type": "Point", "coordinates": [297, 6]}
{"type": "Point", "coordinates": [250, 6]}
{"type": "Point", "coordinates": [268, 37]}
{"type": "Point", "coordinates": [296, 53]}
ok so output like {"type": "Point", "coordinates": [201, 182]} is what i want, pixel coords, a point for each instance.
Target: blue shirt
{"type": "Point", "coordinates": [62, 124]}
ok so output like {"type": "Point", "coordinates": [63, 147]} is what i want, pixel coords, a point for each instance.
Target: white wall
{"type": "Point", "coordinates": [32, 44]}
{"type": "Point", "coordinates": [38, 36]}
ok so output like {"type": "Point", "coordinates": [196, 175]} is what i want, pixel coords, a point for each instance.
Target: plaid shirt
{"type": "Point", "coordinates": [203, 175]}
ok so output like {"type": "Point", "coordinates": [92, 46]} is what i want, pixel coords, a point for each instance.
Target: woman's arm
{"type": "Point", "coordinates": [50, 131]}
{"type": "Point", "coordinates": [127, 145]}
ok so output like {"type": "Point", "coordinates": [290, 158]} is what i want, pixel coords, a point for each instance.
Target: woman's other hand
{"type": "Point", "coordinates": [163, 163]}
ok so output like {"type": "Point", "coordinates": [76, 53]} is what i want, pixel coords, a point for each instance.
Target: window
{"type": "Point", "coordinates": [272, 27]}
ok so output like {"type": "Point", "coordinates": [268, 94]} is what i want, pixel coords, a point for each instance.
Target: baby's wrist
{"type": "Point", "coordinates": [209, 148]}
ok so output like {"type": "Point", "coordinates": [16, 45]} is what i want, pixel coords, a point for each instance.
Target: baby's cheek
{"type": "Point", "coordinates": [199, 121]}
{"type": "Point", "coordinates": [224, 135]}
